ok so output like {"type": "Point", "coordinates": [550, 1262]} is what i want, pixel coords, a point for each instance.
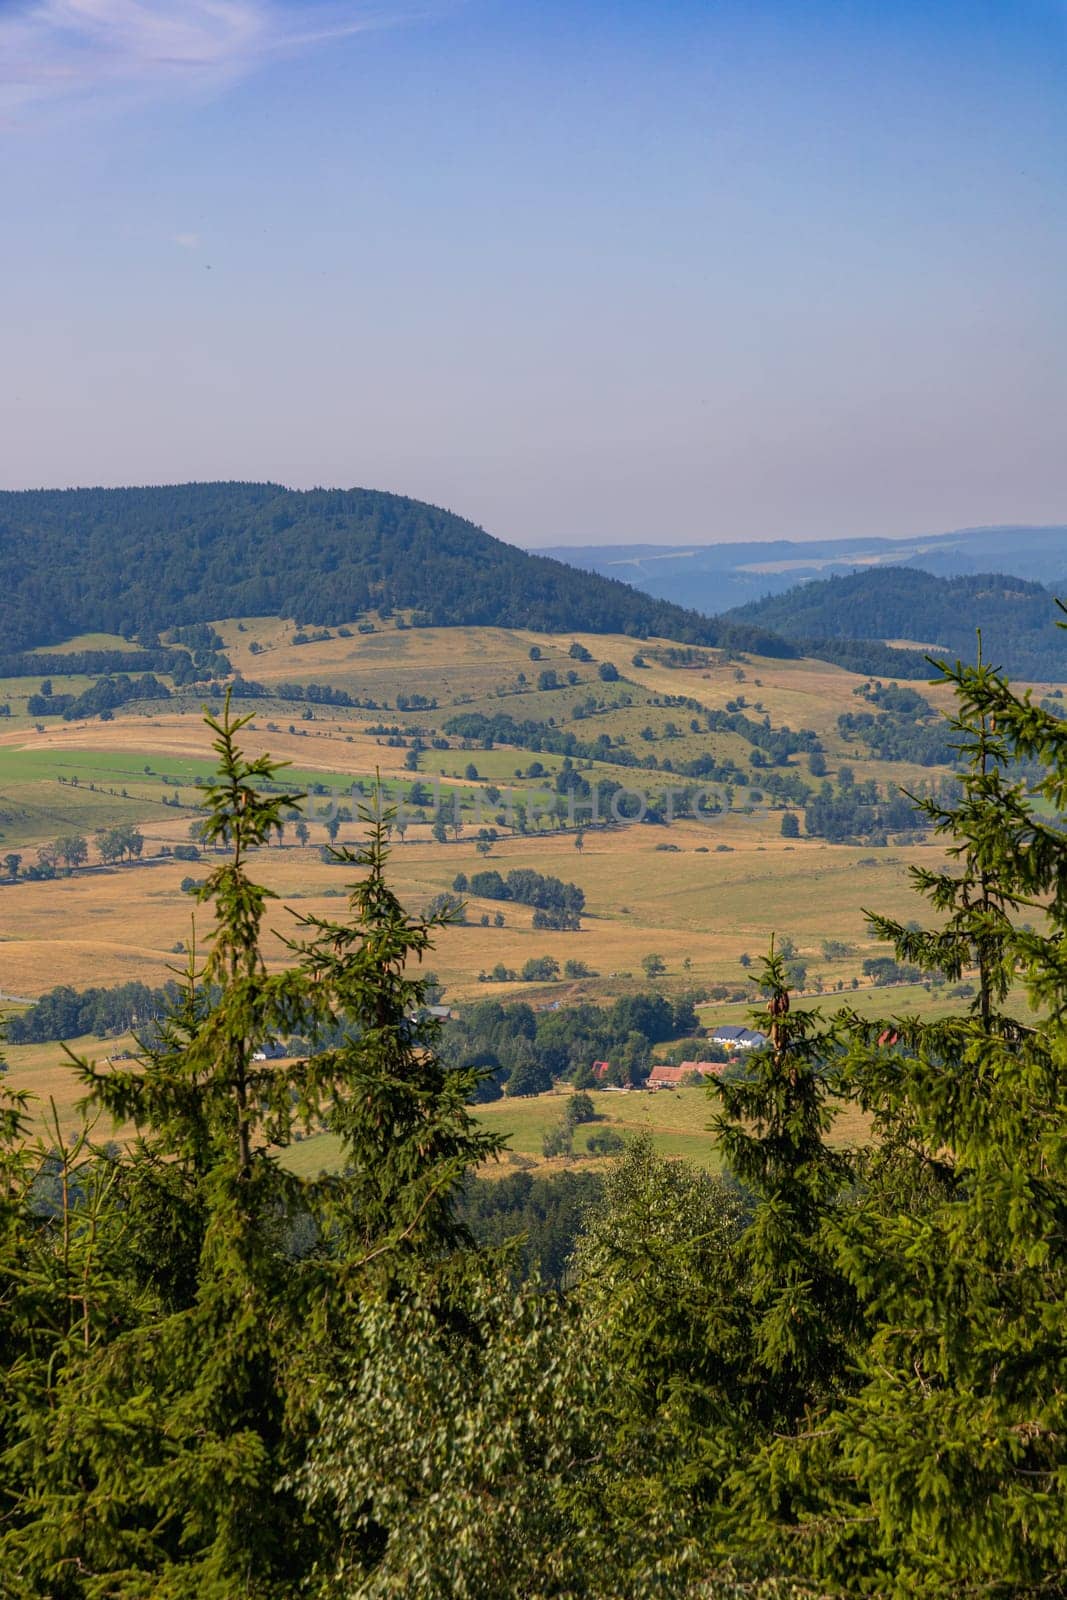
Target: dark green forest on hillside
{"type": "Point", "coordinates": [138, 561]}
{"type": "Point", "coordinates": [135, 561]}
{"type": "Point", "coordinates": [904, 603]}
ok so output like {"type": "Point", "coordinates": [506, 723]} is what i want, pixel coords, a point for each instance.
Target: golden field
{"type": "Point", "coordinates": [698, 894]}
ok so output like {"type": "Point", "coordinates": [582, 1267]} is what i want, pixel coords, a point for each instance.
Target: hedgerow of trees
{"type": "Point", "coordinates": [67, 1013]}
{"type": "Point", "coordinates": [560, 904]}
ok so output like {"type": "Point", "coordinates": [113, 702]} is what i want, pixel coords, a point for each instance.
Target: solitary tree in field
{"type": "Point", "coordinates": [12, 863]}
{"type": "Point", "coordinates": [654, 966]}
{"type": "Point", "coordinates": [302, 831]}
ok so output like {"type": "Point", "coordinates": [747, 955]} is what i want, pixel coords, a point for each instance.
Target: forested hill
{"type": "Point", "coordinates": [136, 560]}
{"type": "Point", "coordinates": [1016, 617]}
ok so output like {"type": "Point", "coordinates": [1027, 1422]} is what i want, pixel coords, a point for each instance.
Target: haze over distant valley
{"type": "Point", "coordinates": [716, 577]}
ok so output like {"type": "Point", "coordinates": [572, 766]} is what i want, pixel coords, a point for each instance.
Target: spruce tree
{"type": "Point", "coordinates": [19, 1307]}
{"type": "Point", "coordinates": [943, 1475]}
{"type": "Point", "coordinates": [772, 1132]}
{"type": "Point", "coordinates": [152, 1446]}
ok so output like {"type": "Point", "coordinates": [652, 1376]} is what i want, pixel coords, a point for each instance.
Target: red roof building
{"type": "Point", "coordinates": [670, 1077]}
{"type": "Point", "coordinates": [707, 1069]}
{"type": "Point", "coordinates": [665, 1077]}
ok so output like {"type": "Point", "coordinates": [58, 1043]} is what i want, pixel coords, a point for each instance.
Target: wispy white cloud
{"type": "Point", "coordinates": [108, 50]}
{"type": "Point", "coordinates": [188, 241]}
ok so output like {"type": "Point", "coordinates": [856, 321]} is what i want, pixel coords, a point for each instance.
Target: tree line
{"type": "Point", "coordinates": [124, 842]}
{"type": "Point", "coordinates": [532, 733]}
{"type": "Point", "coordinates": [315, 693]}
{"type": "Point", "coordinates": [100, 699]}
{"type": "Point", "coordinates": [838, 1369]}
{"type": "Point", "coordinates": [778, 743]}
{"type": "Point", "coordinates": [68, 1013]}
{"type": "Point", "coordinates": [180, 664]}
{"type": "Point", "coordinates": [562, 903]}
{"type": "Point", "coordinates": [541, 737]}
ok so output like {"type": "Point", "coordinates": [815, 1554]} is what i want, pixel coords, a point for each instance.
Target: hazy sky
{"type": "Point", "coordinates": [646, 269]}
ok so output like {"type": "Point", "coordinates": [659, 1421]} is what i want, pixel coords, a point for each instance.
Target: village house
{"type": "Point", "coordinates": [430, 1014]}
{"type": "Point", "coordinates": [706, 1069]}
{"type": "Point", "coordinates": [270, 1050]}
{"type": "Point", "coordinates": [734, 1038]}
{"type": "Point", "coordinates": [662, 1077]}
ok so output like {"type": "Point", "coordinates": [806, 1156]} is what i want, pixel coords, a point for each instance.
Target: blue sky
{"type": "Point", "coordinates": [582, 271]}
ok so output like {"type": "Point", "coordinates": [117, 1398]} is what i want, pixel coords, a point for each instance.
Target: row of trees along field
{"type": "Point", "coordinates": [834, 1372]}
{"type": "Point", "coordinates": [71, 850]}
{"type": "Point", "coordinates": [67, 1013]}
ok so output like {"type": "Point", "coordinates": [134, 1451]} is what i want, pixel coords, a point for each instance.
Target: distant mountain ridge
{"type": "Point", "coordinates": [137, 560]}
{"type": "Point", "coordinates": [1017, 618]}
{"type": "Point", "coordinates": [721, 577]}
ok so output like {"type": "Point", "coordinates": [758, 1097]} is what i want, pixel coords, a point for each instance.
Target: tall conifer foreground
{"type": "Point", "coordinates": [832, 1373]}
{"type": "Point", "coordinates": [942, 1471]}
{"type": "Point", "coordinates": [173, 1309]}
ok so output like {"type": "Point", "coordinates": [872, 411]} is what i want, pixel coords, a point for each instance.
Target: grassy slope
{"type": "Point", "coordinates": [677, 1120]}
{"type": "Point", "coordinates": [724, 888]}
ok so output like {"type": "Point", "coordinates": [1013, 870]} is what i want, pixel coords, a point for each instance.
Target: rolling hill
{"type": "Point", "coordinates": [716, 578]}
{"type": "Point", "coordinates": [1016, 617]}
{"type": "Point", "coordinates": [134, 561]}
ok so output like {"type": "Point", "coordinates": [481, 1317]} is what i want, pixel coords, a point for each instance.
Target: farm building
{"type": "Point", "coordinates": [734, 1038]}
{"type": "Point", "coordinates": [670, 1077]}
{"type": "Point", "coordinates": [270, 1050]}
{"type": "Point", "coordinates": [430, 1014]}
{"type": "Point", "coordinates": [706, 1069]}
{"type": "Point", "coordinates": [665, 1077]}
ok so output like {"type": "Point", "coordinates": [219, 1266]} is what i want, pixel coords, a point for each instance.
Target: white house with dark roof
{"type": "Point", "coordinates": [734, 1038]}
